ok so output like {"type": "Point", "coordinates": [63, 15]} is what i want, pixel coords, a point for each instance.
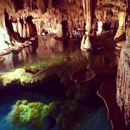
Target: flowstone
{"type": "Point", "coordinates": [123, 82]}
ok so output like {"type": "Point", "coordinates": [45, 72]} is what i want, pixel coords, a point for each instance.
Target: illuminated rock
{"type": "Point", "coordinates": [99, 28]}
{"type": "Point", "coordinates": [2, 58]}
{"type": "Point", "coordinates": [19, 27]}
{"type": "Point", "coordinates": [88, 44]}
{"type": "Point", "coordinates": [32, 113]}
{"type": "Point", "coordinates": [89, 15]}
{"type": "Point", "coordinates": [59, 30]}
{"type": "Point", "coordinates": [121, 27]}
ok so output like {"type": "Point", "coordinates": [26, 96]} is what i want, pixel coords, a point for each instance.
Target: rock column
{"type": "Point", "coordinates": [121, 27]}
{"type": "Point", "coordinates": [4, 37]}
{"type": "Point", "coordinates": [59, 30]}
{"type": "Point", "coordinates": [88, 14]}
{"type": "Point", "coordinates": [123, 82]}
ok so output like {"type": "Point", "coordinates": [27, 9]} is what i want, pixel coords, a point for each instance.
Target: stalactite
{"type": "Point", "coordinates": [88, 13]}
{"type": "Point", "coordinates": [41, 5]}
{"type": "Point", "coordinates": [49, 3]}
{"type": "Point", "coordinates": [59, 30]}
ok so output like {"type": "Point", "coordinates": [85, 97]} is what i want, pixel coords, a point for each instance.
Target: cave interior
{"type": "Point", "coordinates": [64, 65]}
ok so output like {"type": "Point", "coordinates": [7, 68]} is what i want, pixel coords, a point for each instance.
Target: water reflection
{"type": "Point", "coordinates": [87, 55]}
{"type": "Point", "coordinates": [8, 62]}
{"type": "Point", "coordinates": [43, 47]}
{"type": "Point", "coordinates": [48, 46]}
{"type": "Point", "coordinates": [24, 56]}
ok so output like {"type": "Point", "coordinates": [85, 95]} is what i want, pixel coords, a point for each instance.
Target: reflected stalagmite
{"type": "Point", "coordinates": [8, 62]}
{"type": "Point", "coordinates": [48, 45]}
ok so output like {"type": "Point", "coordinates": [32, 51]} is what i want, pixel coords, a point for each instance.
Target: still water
{"type": "Point", "coordinates": [41, 48]}
{"type": "Point", "coordinates": [103, 62]}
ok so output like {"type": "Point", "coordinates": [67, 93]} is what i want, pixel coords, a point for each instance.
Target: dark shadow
{"type": "Point", "coordinates": [64, 28]}
{"type": "Point", "coordinates": [33, 30]}
{"type": "Point", "coordinates": [107, 92]}
{"type": "Point", "coordinates": [18, 4]}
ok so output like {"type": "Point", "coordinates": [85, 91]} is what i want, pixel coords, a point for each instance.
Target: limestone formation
{"type": "Point", "coordinates": [99, 28]}
{"type": "Point", "coordinates": [121, 27]}
{"type": "Point", "coordinates": [123, 82]}
{"type": "Point", "coordinates": [87, 7]}
{"type": "Point", "coordinates": [76, 13]}
{"type": "Point", "coordinates": [59, 30]}
{"type": "Point", "coordinates": [21, 21]}
{"type": "Point", "coordinates": [31, 18]}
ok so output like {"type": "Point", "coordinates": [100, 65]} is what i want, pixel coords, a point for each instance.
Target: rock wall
{"type": "Point", "coordinates": [123, 82]}
{"type": "Point", "coordinates": [45, 14]}
{"type": "Point", "coordinates": [27, 18]}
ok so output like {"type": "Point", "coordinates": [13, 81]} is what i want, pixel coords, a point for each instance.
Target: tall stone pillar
{"type": "Point", "coordinates": [121, 27]}
{"type": "Point", "coordinates": [123, 82]}
{"type": "Point", "coordinates": [88, 7]}
{"type": "Point", "coordinates": [87, 13]}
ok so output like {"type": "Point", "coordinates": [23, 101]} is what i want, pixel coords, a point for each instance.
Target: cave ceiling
{"type": "Point", "coordinates": [24, 8]}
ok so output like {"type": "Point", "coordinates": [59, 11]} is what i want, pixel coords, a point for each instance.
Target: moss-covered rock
{"type": "Point", "coordinates": [26, 112]}
{"type": "Point", "coordinates": [25, 102]}
{"type": "Point", "coordinates": [66, 114]}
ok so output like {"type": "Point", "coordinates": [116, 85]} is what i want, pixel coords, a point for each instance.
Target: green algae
{"type": "Point", "coordinates": [28, 112]}
{"type": "Point", "coordinates": [67, 113]}
{"type": "Point", "coordinates": [45, 68]}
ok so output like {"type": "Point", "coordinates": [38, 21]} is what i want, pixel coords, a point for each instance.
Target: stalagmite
{"type": "Point", "coordinates": [70, 27]}
{"type": "Point", "coordinates": [99, 28]}
{"type": "Point", "coordinates": [121, 27]}
{"type": "Point", "coordinates": [59, 30]}
{"type": "Point", "coordinates": [88, 44]}
{"type": "Point", "coordinates": [82, 42]}
{"type": "Point", "coordinates": [88, 14]}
